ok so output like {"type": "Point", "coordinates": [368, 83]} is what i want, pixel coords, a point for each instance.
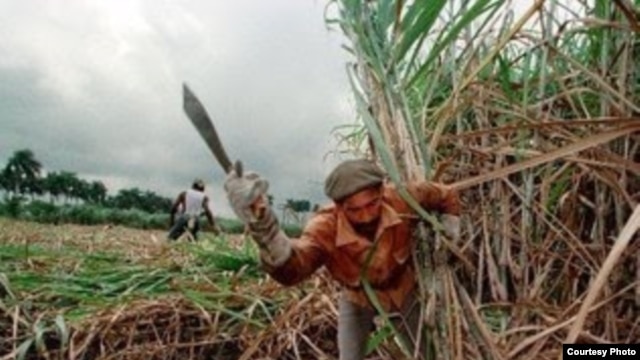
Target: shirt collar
{"type": "Point", "coordinates": [346, 235]}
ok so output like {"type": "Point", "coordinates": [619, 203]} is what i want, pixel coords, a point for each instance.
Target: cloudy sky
{"type": "Point", "coordinates": [94, 87]}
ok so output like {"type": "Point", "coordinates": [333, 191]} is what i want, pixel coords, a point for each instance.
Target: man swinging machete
{"type": "Point", "coordinates": [366, 232]}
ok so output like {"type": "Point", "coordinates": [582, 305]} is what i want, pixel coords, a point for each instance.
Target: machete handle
{"type": "Point", "coordinates": [258, 191]}
{"type": "Point", "coordinates": [237, 167]}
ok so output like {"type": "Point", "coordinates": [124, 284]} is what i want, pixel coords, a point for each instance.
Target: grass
{"type": "Point", "coordinates": [90, 214]}
{"type": "Point", "coordinates": [89, 288]}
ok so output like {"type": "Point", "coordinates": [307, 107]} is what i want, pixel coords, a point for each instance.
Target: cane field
{"type": "Point", "coordinates": [109, 292]}
{"type": "Point", "coordinates": [530, 109]}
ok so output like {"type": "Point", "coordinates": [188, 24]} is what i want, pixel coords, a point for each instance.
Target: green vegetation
{"type": "Point", "coordinates": [68, 285]}
{"type": "Point", "coordinates": [531, 112]}
{"type": "Point", "coordinates": [93, 292]}
{"type": "Point", "coordinates": [22, 178]}
{"type": "Point", "coordinates": [62, 197]}
{"type": "Point", "coordinates": [90, 214]}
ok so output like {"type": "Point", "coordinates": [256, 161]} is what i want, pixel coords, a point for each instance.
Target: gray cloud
{"type": "Point", "coordinates": [95, 88]}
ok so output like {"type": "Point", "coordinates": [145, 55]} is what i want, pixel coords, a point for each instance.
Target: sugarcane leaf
{"type": "Point", "coordinates": [23, 349]}
{"type": "Point", "coordinates": [39, 329]}
{"type": "Point", "coordinates": [5, 286]}
{"type": "Point", "coordinates": [62, 329]}
{"type": "Point", "coordinates": [378, 338]}
{"type": "Point", "coordinates": [474, 12]}
{"type": "Point", "coordinates": [416, 23]}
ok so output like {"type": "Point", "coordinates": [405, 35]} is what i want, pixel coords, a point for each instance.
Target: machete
{"type": "Point", "coordinates": [202, 122]}
{"type": "Point", "coordinates": [200, 119]}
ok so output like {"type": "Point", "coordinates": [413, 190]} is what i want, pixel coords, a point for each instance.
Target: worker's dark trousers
{"type": "Point", "coordinates": [184, 223]}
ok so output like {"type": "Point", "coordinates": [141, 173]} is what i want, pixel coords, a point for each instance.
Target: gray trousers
{"type": "Point", "coordinates": [355, 324]}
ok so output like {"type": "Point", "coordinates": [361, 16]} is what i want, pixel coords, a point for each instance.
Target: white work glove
{"type": "Point", "coordinates": [247, 195]}
{"type": "Point", "coordinates": [243, 192]}
{"type": "Point", "coordinates": [275, 246]}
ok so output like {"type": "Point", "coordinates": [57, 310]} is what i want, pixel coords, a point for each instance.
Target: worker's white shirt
{"type": "Point", "coordinates": [193, 202]}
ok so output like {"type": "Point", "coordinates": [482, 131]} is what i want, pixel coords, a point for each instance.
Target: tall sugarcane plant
{"type": "Point", "coordinates": [530, 109]}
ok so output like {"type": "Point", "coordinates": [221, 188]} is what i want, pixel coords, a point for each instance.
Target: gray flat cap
{"type": "Point", "coordinates": [352, 176]}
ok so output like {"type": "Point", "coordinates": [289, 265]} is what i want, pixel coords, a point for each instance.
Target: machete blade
{"type": "Point", "coordinates": [200, 119]}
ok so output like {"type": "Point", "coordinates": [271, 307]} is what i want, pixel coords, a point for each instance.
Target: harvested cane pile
{"type": "Point", "coordinates": [70, 292]}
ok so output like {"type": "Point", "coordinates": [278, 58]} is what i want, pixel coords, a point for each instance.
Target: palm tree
{"type": "Point", "coordinates": [54, 185]}
{"type": "Point", "coordinates": [81, 190]}
{"type": "Point", "coordinates": [69, 184]}
{"type": "Point", "coordinates": [97, 192]}
{"type": "Point", "coordinates": [22, 172]}
{"type": "Point", "coordinates": [33, 187]}
{"type": "Point", "coordinates": [129, 198]}
{"type": "Point", "coordinates": [4, 182]}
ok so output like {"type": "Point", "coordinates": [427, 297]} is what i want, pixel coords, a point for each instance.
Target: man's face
{"type": "Point", "coordinates": [363, 207]}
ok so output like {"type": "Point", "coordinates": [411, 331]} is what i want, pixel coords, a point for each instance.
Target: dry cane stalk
{"type": "Point", "coordinates": [632, 225]}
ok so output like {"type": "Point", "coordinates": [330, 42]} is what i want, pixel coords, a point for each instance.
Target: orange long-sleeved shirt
{"type": "Point", "coordinates": [329, 240]}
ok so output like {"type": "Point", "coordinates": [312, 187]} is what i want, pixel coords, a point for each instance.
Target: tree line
{"type": "Point", "coordinates": [24, 176]}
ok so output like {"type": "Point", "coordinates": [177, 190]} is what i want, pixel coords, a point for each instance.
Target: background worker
{"type": "Point", "coordinates": [191, 203]}
{"type": "Point", "coordinates": [365, 235]}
